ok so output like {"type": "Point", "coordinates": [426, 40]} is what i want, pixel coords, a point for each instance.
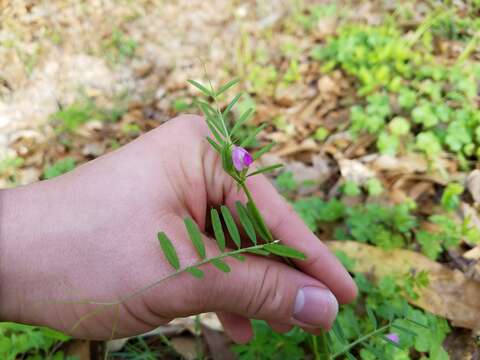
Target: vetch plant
{"type": "Point", "coordinates": [237, 163]}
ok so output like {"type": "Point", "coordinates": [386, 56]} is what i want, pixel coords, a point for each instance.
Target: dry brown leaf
{"type": "Point", "coordinates": [80, 349]}
{"type": "Point", "coordinates": [472, 254]}
{"type": "Point", "coordinates": [450, 293]}
{"type": "Point", "coordinates": [185, 346]}
{"type": "Point", "coordinates": [219, 344]}
{"type": "Point", "coordinates": [294, 148]}
{"type": "Point", "coordinates": [420, 189]}
{"type": "Point", "coordinates": [327, 86]}
{"type": "Point", "coordinates": [473, 184]}
{"type": "Point", "coordinates": [461, 345]}
{"type": "Point", "coordinates": [188, 323]}
{"type": "Point", "coordinates": [406, 164]}
{"type": "Point", "coordinates": [354, 170]}
{"type": "Point", "coordinates": [319, 171]}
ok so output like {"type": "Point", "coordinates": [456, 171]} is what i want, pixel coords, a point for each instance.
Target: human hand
{"type": "Point", "coordinates": [91, 235]}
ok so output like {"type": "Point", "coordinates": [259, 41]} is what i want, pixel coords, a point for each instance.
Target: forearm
{"type": "Point", "coordinates": [23, 218]}
{"type": "Point", "coordinates": [9, 294]}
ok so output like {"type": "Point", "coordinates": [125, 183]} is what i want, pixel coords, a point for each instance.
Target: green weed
{"type": "Point", "coordinates": [394, 226]}
{"type": "Point", "coordinates": [30, 343]}
{"type": "Point", "coordinates": [119, 47]}
{"type": "Point", "coordinates": [58, 168]}
{"type": "Point", "coordinates": [436, 104]}
{"type": "Point", "coordinates": [71, 117]}
{"type": "Point", "coordinates": [9, 169]}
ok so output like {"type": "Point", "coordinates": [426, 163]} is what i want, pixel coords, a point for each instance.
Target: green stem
{"type": "Point", "coordinates": [152, 285]}
{"type": "Point", "coordinates": [360, 340]}
{"type": "Point", "coordinates": [257, 214]}
{"type": "Point", "coordinates": [315, 347]}
{"type": "Point", "coordinates": [325, 350]}
{"type": "Point", "coordinates": [199, 263]}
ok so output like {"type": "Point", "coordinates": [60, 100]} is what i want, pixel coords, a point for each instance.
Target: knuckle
{"type": "Point", "coordinates": [267, 296]}
{"type": "Point", "coordinates": [286, 213]}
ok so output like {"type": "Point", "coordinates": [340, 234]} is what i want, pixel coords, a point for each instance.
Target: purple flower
{"type": "Point", "coordinates": [241, 158]}
{"type": "Point", "coordinates": [393, 337]}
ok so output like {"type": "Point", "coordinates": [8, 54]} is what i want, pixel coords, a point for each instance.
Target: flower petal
{"type": "Point", "coordinates": [237, 158]}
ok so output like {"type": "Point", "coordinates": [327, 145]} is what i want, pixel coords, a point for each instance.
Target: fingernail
{"type": "Point", "coordinates": [315, 306]}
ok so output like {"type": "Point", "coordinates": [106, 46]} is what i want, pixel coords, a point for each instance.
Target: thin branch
{"type": "Point", "coordinates": [135, 293]}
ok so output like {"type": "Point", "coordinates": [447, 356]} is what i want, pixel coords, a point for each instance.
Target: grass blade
{"type": "Point", "coordinates": [168, 250]}
{"type": "Point", "coordinates": [231, 226]}
{"type": "Point", "coordinates": [227, 86]}
{"type": "Point", "coordinates": [219, 264]}
{"type": "Point", "coordinates": [285, 251]}
{"type": "Point", "coordinates": [200, 87]}
{"type": "Point", "coordinates": [246, 222]}
{"type": "Point", "coordinates": [265, 169]}
{"type": "Point", "coordinates": [217, 229]}
{"type": "Point", "coordinates": [195, 236]}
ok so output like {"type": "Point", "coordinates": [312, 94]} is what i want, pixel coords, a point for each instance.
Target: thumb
{"type": "Point", "coordinates": [266, 289]}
